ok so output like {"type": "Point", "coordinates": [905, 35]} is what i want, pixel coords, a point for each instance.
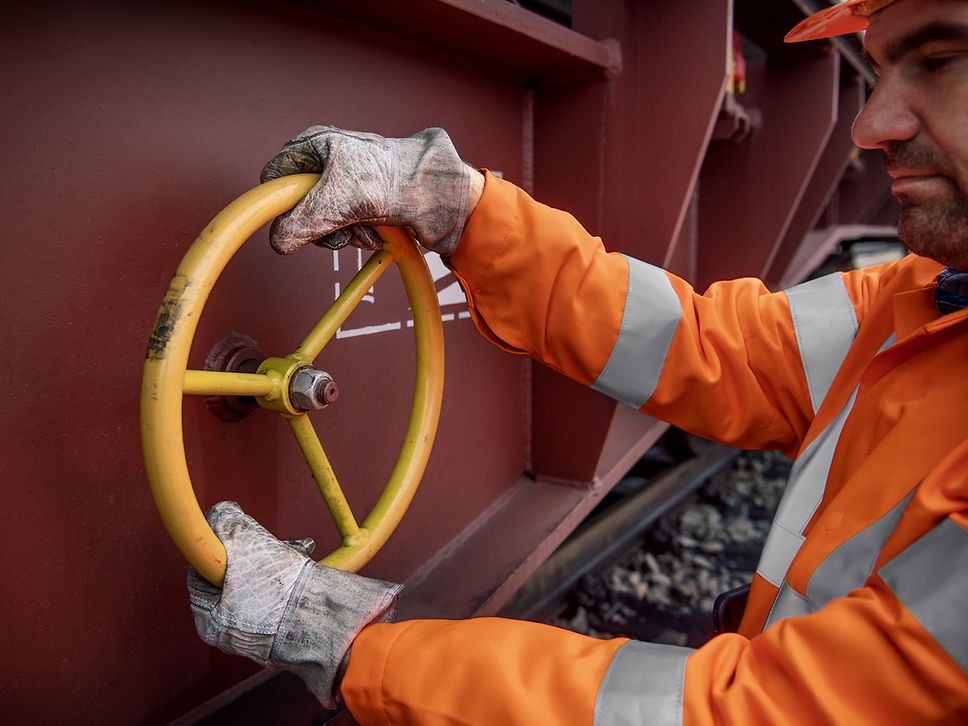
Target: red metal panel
{"type": "Point", "coordinates": [130, 125]}
{"type": "Point", "coordinates": [683, 255]}
{"type": "Point", "coordinates": [749, 191]}
{"type": "Point", "coordinates": [823, 184]}
{"type": "Point", "coordinates": [501, 34]}
{"type": "Point", "coordinates": [657, 114]}
{"type": "Point", "coordinates": [660, 113]}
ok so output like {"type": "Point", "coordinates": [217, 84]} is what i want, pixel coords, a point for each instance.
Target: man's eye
{"type": "Point", "coordinates": [936, 62]}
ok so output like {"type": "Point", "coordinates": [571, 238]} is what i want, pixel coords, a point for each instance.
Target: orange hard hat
{"type": "Point", "coordinates": [847, 17]}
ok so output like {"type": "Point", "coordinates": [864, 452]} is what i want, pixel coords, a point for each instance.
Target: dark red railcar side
{"type": "Point", "coordinates": [127, 126]}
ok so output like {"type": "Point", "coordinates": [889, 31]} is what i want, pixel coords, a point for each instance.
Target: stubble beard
{"type": "Point", "coordinates": [938, 230]}
{"type": "Point", "coordinates": [934, 228]}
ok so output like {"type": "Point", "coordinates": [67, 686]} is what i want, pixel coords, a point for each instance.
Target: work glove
{"type": "Point", "coordinates": [418, 182]}
{"type": "Point", "coordinates": [281, 609]}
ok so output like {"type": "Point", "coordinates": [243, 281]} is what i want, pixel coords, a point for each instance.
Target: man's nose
{"type": "Point", "coordinates": [886, 118]}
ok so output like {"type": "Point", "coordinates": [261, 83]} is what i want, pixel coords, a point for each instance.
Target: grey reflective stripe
{"type": "Point", "coordinates": [652, 314]}
{"type": "Point", "coordinates": [825, 324]}
{"type": "Point", "coordinates": [852, 562]}
{"type": "Point", "coordinates": [788, 603]}
{"type": "Point", "coordinates": [803, 495]}
{"type": "Point", "coordinates": [643, 685]}
{"type": "Point", "coordinates": [930, 578]}
{"type": "Point", "coordinates": [847, 567]}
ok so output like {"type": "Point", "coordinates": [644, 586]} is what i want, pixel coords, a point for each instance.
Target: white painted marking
{"type": "Point", "coordinates": [445, 318]}
{"type": "Point", "coordinates": [435, 265]}
{"type": "Point", "coordinates": [447, 296]}
{"type": "Point", "coordinates": [451, 295]}
{"type": "Point", "coordinates": [366, 330]}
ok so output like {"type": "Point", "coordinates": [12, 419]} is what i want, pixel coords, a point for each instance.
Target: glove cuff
{"type": "Point", "coordinates": [431, 188]}
{"type": "Point", "coordinates": [326, 611]}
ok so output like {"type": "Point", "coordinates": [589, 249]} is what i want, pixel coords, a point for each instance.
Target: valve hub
{"type": "Point", "coordinates": [235, 353]}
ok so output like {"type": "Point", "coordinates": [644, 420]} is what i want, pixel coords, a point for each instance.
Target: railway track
{"type": "Point", "coordinates": [686, 524]}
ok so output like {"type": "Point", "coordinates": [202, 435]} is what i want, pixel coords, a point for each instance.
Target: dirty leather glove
{"type": "Point", "coordinates": [280, 608]}
{"type": "Point", "coordinates": [418, 182]}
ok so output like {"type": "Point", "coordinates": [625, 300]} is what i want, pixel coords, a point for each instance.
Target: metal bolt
{"type": "Point", "coordinates": [310, 389]}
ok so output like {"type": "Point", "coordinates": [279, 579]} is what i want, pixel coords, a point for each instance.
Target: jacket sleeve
{"type": "Point", "coordinates": [893, 651]}
{"type": "Point", "coordinates": [726, 365]}
{"type": "Point", "coordinates": [484, 671]}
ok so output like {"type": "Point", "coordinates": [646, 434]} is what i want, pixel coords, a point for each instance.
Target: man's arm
{"type": "Point", "coordinates": [892, 651]}
{"type": "Point", "coordinates": [726, 365]}
{"type": "Point", "coordinates": [738, 364]}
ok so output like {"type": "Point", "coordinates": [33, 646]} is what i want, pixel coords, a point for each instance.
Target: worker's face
{"type": "Point", "coordinates": [917, 115]}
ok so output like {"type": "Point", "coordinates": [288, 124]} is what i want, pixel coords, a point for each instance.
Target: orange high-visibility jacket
{"type": "Point", "coordinates": [858, 611]}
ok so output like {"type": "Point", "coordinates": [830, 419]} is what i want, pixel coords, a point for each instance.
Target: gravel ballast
{"type": "Point", "coordinates": [663, 591]}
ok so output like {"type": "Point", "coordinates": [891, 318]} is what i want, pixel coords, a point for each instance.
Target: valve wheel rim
{"type": "Point", "coordinates": [166, 380]}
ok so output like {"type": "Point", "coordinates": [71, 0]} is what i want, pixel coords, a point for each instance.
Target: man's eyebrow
{"type": "Point", "coordinates": [897, 49]}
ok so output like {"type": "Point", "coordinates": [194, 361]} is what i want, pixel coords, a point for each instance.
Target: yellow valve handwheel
{"type": "Point", "coordinates": [167, 378]}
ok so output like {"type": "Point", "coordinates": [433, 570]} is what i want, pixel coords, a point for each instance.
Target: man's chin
{"type": "Point", "coordinates": [940, 235]}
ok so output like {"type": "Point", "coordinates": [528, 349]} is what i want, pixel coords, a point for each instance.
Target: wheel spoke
{"type": "Point", "coordinates": [345, 304]}
{"type": "Point", "coordinates": [325, 478]}
{"type": "Point", "coordinates": [221, 383]}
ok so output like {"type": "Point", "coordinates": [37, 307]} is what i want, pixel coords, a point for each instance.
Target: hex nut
{"type": "Point", "coordinates": [310, 389]}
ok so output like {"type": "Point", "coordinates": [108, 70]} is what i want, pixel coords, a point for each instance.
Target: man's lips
{"type": "Point", "coordinates": [912, 171]}
{"type": "Point", "coordinates": [911, 179]}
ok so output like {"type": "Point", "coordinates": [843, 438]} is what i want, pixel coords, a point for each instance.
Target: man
{"type": "Point", "coordinates": [856, 611]}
